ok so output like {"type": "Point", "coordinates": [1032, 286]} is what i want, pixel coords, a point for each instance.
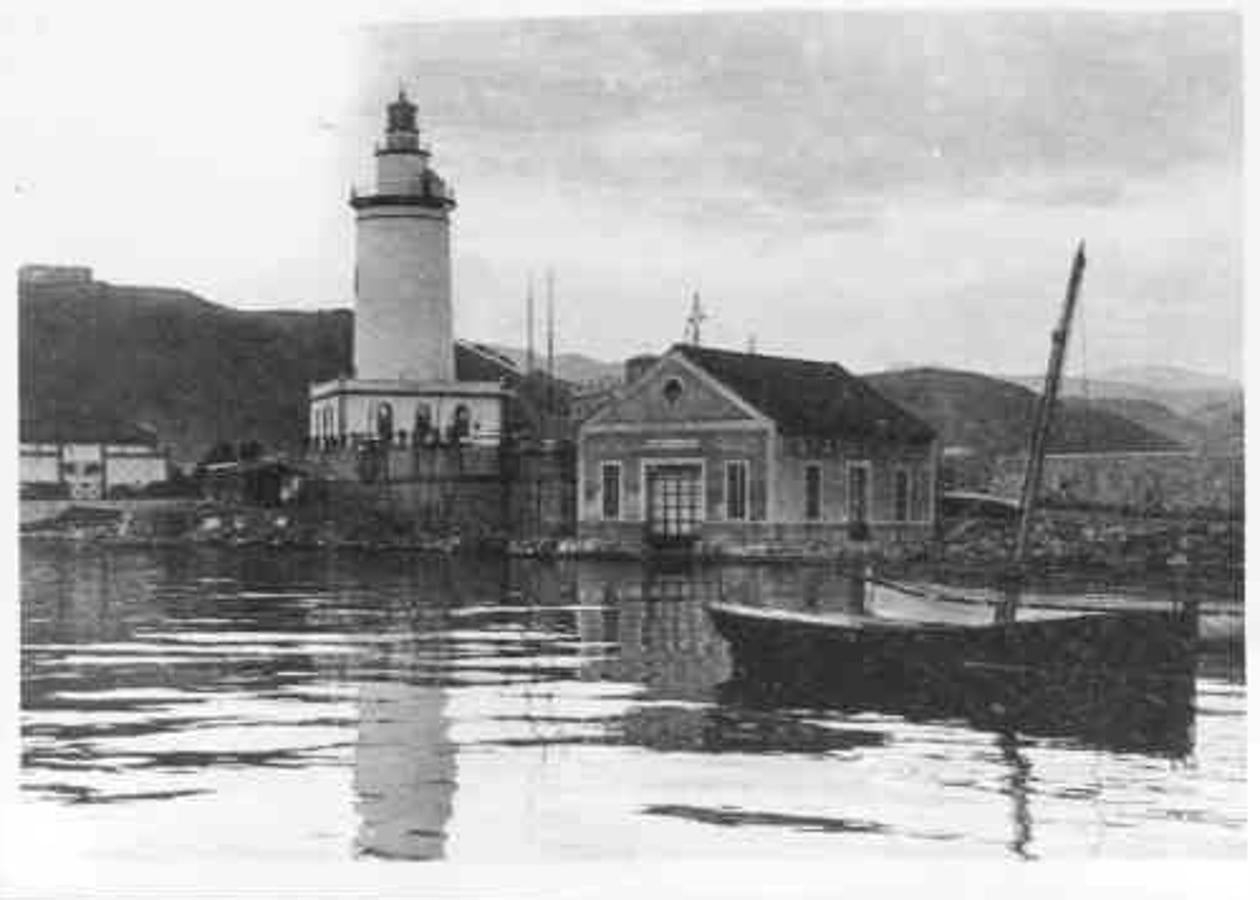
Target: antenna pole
{"type": "Point", "coordinates": [529, 325]}
{"type": "Point", "coordinates": [1045, 409]}
{"type": "Point", "coordinates": [551, 338]}
{"type": "Point", "coordinates": [692, 332]}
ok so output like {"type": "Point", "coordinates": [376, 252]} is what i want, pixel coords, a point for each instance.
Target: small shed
{"type": "Point", "coordinates": [261, 482]}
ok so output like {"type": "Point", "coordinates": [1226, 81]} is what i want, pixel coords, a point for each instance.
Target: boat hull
{"type": "Point", "coordinates": [791, 648]}
{"type": "Point", "coordinates": [1119, 680]}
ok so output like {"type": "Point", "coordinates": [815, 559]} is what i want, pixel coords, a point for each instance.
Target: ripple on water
{"type": "Point", "coordinates": [221, 705]}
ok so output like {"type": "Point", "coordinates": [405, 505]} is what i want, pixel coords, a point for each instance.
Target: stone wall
{"type": "Point", "coordinates": [542, 492]}
{"type": "Point", "coordinates": [40, 510]}
{"type": "Point", "coordinates": [472, 491]}
{"type": "Point", "coordinates": [769, 538]}
{"type": "Point", "coordinates": [468, 508]}
{"type": "Point", "coordinates": [1144, 483]}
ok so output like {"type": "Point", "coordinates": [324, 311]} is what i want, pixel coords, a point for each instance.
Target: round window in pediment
{"type": "Point", "coordinates": [672, 391]}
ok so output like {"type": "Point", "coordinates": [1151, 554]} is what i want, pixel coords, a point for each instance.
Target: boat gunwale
{"type": "Point", "coordinates": [850, 622]}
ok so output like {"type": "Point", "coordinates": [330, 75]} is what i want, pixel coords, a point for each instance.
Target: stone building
{"type": "Point", "coordinates": [84, 460]}
{"type": "Point", "coordinates": [38, 273]}
{"type": "Point", "coordinates": [741, 450]}
{"type": "Point", "coordinates": [405, 390]}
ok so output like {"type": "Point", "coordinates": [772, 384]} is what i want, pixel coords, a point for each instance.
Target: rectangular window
{"type": "Point", "coordinates": [919, 493]}
{"type": "Point", "coordinates": [859, 491]}
{"type": "Point", "coordinates": [610, 489]}
{"type": "Point", "coordinates": [901, 495]}
{"type": "Point", "coordinates": [813, 492]}
{"type": "Point", "coordinates": [737, 491]}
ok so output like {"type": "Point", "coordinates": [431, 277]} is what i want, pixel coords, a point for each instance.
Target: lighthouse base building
{"type": "Point", "coordinates": [358, 413]}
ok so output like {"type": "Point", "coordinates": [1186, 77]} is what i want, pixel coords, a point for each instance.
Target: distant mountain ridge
{"type": "Point", "coordinates": [575, 367]}
{"type": "Point", "coordinates": [198, 373]}
{"type": "Point", "coordinates": [993, 417]}
{"type": "Point", "coordinates": [1180, 390]}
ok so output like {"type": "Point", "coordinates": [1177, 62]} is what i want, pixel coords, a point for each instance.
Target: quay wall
{"type": "Point", "coordinates": [772, 538]}
{"type": "Point", "coordinates": [473, 492]}
{"type": "Point", "coordinates": [41, 510]}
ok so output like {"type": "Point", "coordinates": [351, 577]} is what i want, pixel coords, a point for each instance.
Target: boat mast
{"type": "Point", "coordinates": [1045, 409]}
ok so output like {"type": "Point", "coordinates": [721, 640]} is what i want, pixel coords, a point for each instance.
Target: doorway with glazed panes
{"type": "Point", "coordinates": [675, 503]}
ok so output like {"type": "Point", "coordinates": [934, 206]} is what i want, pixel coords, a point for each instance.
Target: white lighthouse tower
{"type": "Point", "coordinates": [403, 261]}
{"type": "Point", "coordinates": [405, 392]}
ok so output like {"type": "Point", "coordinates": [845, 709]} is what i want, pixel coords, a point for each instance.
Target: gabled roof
{"type": "Point", "coordinates": [808, 398]}
{"type": "Point", "coordinates": [476, 362]}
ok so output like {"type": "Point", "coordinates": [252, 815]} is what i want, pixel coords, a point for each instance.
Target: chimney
{"type": "Point", "coordinates": [637, 365]}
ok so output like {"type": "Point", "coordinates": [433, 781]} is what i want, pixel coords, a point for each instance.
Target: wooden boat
{"type": "Point", "coordinates": [1122, 710]}
{"type": "Point", "coordinates": [900, 638]}
{"type": "Point", "coordinates": [931, 638]}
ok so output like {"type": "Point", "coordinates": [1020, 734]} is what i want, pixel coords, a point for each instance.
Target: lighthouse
{"type": "Point", "coordinates": [403, 327]}
{"type": "Point", "coordinates": [405, 395]}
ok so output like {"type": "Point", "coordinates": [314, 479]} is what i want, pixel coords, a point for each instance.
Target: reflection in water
{"type": "Point", "coordinates": [1125, 713]}
{"type": "Point", "coordinates": [404, 770]}
{"type": "Point", "coordinates": [728, 817]}
{"type": "Point", "coordinates": [1017, 786]}
{"type": "Point", "coordinates": [483, 709]}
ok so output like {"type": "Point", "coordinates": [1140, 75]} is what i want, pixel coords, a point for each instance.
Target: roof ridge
{"type": "Point", "coordinates": [805, 396]}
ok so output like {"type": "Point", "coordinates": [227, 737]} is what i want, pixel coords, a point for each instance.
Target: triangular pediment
{"type": "Point", "coordinates": [675, 392]}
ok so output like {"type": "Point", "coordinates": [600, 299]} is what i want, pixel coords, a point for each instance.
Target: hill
{"type": "Point", "coordinates": [993, 417]}
{"type": "Point", "coordinates": [194, 372]}
{"type": "Point", "coordinates": [1171, 378]}
{"type": "Point", "coordinates": [1222, 424]}
{"type": "Point", "coordinates": [1187, 430]}
{"type": "Point", "coordinates": [1181, 391]}
{"type": "Point", "coordinates": [572, 367]}
{"type": "Point", "coordinates": [198, 373]}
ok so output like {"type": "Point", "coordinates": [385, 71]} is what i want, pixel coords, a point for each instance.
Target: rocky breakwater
{"type": "Point", "coordinates": [1102, 542]}
{"type": "Point", "coordinates": [206, 522]}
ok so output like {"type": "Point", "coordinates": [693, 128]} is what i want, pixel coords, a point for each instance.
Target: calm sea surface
{"type": "Point", "coordinates": [276, 706]}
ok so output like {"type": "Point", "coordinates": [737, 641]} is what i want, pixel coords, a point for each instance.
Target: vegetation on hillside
{"type": "Point", "coordinates": [195, 372]}
{"type": "Point", "coordinates": [200, 374]}
{"type": "Point", "coordinates": [993, 417]}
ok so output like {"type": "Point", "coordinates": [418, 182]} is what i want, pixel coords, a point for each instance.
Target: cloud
{"type": "Point", "coordinates": [866, 186]}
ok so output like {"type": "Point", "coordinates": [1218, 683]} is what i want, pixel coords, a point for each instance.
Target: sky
{"type": "Point", "coordinates": [879, 188]}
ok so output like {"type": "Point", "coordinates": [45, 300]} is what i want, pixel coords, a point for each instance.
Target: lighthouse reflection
{"type": "Point", "coordinates": [404, 771]}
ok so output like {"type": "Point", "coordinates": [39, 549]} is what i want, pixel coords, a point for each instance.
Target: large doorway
{"type": "Point", "coordinates": [675, 495]}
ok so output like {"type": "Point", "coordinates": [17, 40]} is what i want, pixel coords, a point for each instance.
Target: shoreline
{"type": "Point", "coordinates": [927, 566]}
{"type": "Point", "coordinates": [1071, 546]}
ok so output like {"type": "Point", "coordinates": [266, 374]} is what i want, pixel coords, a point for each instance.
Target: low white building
{"type": "Point", "coordinates": [86, 460]}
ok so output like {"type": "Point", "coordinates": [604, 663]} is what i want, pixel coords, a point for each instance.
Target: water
{"type": "Point", "coordinates": [246, 705]}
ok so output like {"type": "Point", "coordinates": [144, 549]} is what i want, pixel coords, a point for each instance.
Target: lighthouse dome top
{"type": "Point", "coordinates": [402, 134]}
{"type": "Point", "coordinates": [404, 177]}
{"type": "Point", "coordinates": [402, 114]}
